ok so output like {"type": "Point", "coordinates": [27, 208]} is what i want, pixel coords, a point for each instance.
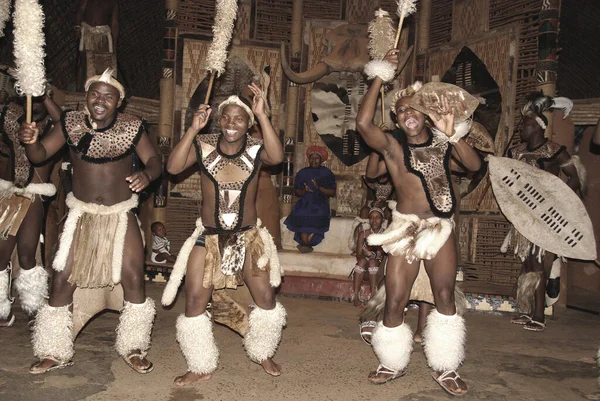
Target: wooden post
{"type": "Point", "coordinates": [423, 39]}
{"type": "Point", "coordinates": [291, 125]}
{"type": "Point", "coordinates": [166, 111]}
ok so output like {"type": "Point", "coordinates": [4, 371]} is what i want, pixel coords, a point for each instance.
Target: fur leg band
{"type": "Point", "coordinates": [269, 256]}
{"type": "Point", "coordinates": [5, 303]}
{"type": "Point", "coordinates": [526, 286]}
{"type": "Point", "coordinates": [180, 266]}
{"type": "Point", "coordinates": [135, 327]}
{"type": "Point", "coordinates": [53, 333]}
{"type": "Point", "coordinates": [264, 334]}
{"type": "Point", "coordinates": [197, 342]}
{"type": "Point", "coordinates": [392, 345]}
{"type": "Point", "coordinates": [380, 68]}
{"type": "Point", "coordinates": [32, 286]}
{"type": "Point", "coordinates": [444, 341]}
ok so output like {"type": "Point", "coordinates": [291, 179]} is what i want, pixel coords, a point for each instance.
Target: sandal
{"type": "Point", "coordinates": [382, 370]}
{"type": "Point", "coordinates": [142, 356]}
{"type": "Point", "coordinates": [366, 334]}
{"type": "Point", "coordinates": [35, 370]}
{"type": "Point", "coordinates": [534, 325]}
{"type": "Point", "coordinates": [441, 379]}
{"type": "Point", "coordinates": [521, 320]}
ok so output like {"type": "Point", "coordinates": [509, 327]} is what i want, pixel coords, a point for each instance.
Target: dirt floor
{"type": "Point", "coordinates": [322, 358]}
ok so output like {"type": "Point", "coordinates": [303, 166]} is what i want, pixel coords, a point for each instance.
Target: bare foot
{"type": "Point", "coordinates": [191, 377]}
{"type": "Point", "coordinates": [271, 367]}
{"type": "Point", "coordinates": [46, 365]}
{"type": "Point", "coordinates": [356, 301]}
{"type": "Point", "coordinates": [418, 337]}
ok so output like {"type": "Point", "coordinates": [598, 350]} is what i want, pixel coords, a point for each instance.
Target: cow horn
{"type": "Point", "coordinates": [318, 71]}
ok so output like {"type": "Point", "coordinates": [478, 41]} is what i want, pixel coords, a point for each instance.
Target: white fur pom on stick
{"type": "Point", "coordinates": [222, 31]}
{"type": "Point", "coordinates": [405, 8]}
{"type": "Point", "coordinates": [4, 15]}
{"type": "Point", "coordinates": [381, 35]}
{"type": "Point", "coordinates": [29, 48]}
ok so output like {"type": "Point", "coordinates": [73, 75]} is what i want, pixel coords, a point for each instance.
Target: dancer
{"type": "Point", "coordinates": [22, 209]}
{"type": "Point", "coordinates": [533, 293]}
{"type": "Point", "coordinates": [229, 247]}
{"type": "Point", "coordinates": [101, 242]}
{"type": "Point", "coordinates": [417, 159]}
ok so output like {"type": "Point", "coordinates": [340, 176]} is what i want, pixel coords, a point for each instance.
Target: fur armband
{"type": "Point", "coordinates": [461, 130]}
{"type": "Point", "coordinates": [380, 68]}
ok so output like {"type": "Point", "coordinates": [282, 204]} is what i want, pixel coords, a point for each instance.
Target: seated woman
{"type": "Point", "coordinates": [309, 219]}
{"type": "Point", "coordinates": [161, 246]}
{"type": "Point", "coordinates": [368, 258]}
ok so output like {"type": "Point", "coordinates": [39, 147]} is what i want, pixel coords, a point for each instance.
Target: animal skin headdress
{"type": "Point", "coordinates": [376, 209]}
{"type": "Point", "coordinates": [107, 78]}
{"type": "Point", "coordinates": [236, 101]}
{"type": "Point", "coordinates": [408, 91]}
{"type": "Point", "coordinates": [537, 104]}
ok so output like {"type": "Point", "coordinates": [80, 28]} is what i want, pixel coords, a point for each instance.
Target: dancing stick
{"type": "Point", "coordinates": [381, 39]}
{"type": "Point", "coordinates": [29, 50]}
{"type": "Point", "coordinates": [405, 8]}
{"type": "Point", "coordinates": [222, 31]}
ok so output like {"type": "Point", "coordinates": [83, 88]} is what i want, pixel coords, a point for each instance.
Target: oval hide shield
{"type": "Point", "coordinates": [542, 208]}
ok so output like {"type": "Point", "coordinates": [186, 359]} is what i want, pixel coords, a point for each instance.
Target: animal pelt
{"type": "Point", "coordinates": [53, 333]}
{"type": "Point", "coordinates": [5, 304]}
{"type": "Point", "coordinates": [526, 286]}
{"type": "Point", "coordinates": [197, 342]}
{"type": "Point", "coordinates": [575, 161]}
{"type": "Point", "coordinates": [264, 334]}
{"type": "Point", "coordinates": [392, 345]}
{"type": "Point", "coordinates": [444, 340]}
{"type": "Point", "coordinates": [135, 327]}
{"type": "Point", "coordinates": [32, 286]}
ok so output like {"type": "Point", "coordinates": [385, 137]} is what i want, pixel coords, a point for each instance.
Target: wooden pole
{"type": "Point", "coordinates": [29, 109]}
{"type": "Point", "coordinates": [210, 85]}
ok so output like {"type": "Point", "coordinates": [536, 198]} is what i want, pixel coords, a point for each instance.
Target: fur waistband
{"type": "Point", "coordinates": [94, 208]}
{"type": "Point", "coordinates": [99, 29]}
{"type": "Point", "coordinates": [42, 189]}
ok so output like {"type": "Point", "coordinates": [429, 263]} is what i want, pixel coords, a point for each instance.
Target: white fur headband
{"type": "Point", "coordinates": [106, 78]}
{"type": "Point", "coordinates": [408, 91]}
{"type": "Point", "coordinates": [236, 101]}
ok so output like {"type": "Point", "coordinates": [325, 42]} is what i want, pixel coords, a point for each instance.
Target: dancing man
{"type": "Point", "coordinates": [101, 243]}
{"type": "Point", "coordinates": [22, 209]}
{"type": "Point", "coordinates": [229, 247]}
{"type": "Point", "coordinates": [418, 161]}
{"type": "Point", "coordinates": [533, 293]}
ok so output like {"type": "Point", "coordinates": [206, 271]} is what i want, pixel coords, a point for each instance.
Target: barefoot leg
{"type": "Point", "coordinates": [190, 377]}
{"type": "Point", "coordinates": [271, 367]}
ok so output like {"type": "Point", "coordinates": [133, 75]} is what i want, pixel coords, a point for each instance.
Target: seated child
{"type": "Point", "coordinates": [368, 258]}
{"type": "Point", "coordinates": [161, 246]}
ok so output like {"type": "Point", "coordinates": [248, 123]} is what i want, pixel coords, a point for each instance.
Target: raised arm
{"type": "Point", "coordinates": [38, 151]}
{"type": "Point", "coordinates": [53, 109]}
{"type": "Point", "coordinates": [272, 153]}
{"type": "Point", "coordinates": [184, 155]}
{"type": "Point", "coordinates": [461, 150]}
{"type": "Point", "coordinates": [152, 165]}
{"type": "Point", "coordinates": [375, 166]}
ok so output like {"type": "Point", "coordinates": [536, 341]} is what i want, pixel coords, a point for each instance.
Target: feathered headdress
{"type": "Point", "coordinates": [29, 48]}
{"type": "Point", "coordinates": [222, 31]}
{"type": "Point", "coordinates": [236, 101]}
{"type": "Point", "coordinates": [381, 35]}
{"type": "Point", "coordinates": [107, 78]}
{"type": "Point", "coordinates": [537, 104]}
{"type": "Point", "coordinates": [4, 15]}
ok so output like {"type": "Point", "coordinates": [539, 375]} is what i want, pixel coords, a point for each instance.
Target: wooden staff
{"type": "Point", "coordinates": [209, 89]}
{"type": "Point", "coordinates": [29, 106]}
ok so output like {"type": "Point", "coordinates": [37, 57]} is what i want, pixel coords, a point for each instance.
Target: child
{"type": "Point", "coordinates": [368, 257]}
{"type": "Point", "coordinates": [161, 246]}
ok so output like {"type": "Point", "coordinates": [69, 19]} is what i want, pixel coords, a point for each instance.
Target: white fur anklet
{"type": "Point", "coordinates": [197, 342]}
{"type": "Point", "coordinates": [380, 68]}
{"type": "Point", "coordinates": [53, 333]}
{"type": "Point", "coordinates": [444, 341]}
{"type": "Point", "coordinates": [264, 333]}
{"type": "Point", "coordinates": [5, 304]}
{"type": "Point", "coordinates": [392, 345]}
{"type": "Point", "coordinates": [135, 327]}
{"type": "Point", "coordinates": [32, 286]}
